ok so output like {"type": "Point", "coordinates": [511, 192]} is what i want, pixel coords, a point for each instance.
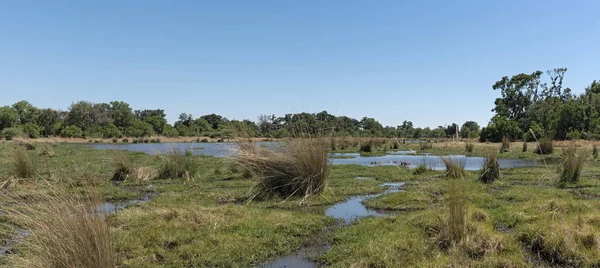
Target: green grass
{"type": "Point", "coordinates": [523, 220]}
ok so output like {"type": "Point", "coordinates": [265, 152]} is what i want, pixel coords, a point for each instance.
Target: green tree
{"type": "Point", "coordinates": [8, 117]}
{"type": "Point", "coordinates": [468, 128]}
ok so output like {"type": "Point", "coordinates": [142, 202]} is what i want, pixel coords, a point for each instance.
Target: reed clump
{"type": "Point", "coordinates": [455, 167]}
{"type": "Point", "coordinates": [23, 165]}
{"type": "Point", "coordinates": [469, 146]}
{"type": "Point", "coordinates": [491, 168]}
{"type": "Point", "coordinates": [570, 167]}
{"type": "Point", "coordinates": [123, 168]}
{"type": "Point", "coordinates": [63, 231]}
{"type": "Point", "coordinates": [300, 167]}
{"type": "Point", "coordinates": [544, 146]}
{"type": "Point", "coordinates": [505, 147]}
{"type": "Point", "coordinates": [176, 164]}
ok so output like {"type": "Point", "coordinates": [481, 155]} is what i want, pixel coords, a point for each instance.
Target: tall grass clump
{"type": "Point", "coordinates": [505, 147]}
{"type": "Point", "coordinates": [524, 146]}
{"type": "Point", "coordinates": [544, 146]}
{"type": "Point", "coordinates": [47, 150]}
{"type": "Point", "coordinates": [64, 231]}
{"type": "Point", "coordinates": [422, 168]}
{"type": "Point", "coordinates": [453, 231]}
{"type": "Point", "coordinates": [426, 146]}
{"type": "Point", "coordinates": [176, 164]}
{"type": "Point", "coordinates": [469, 146]}
{"type": "Point", "coordinates": [299, 167]}
{"type": "Point", "coordinates": [23, 165]}
{"type": "Point", "coordinates": [570, 167]}
{"type": "Point", "coordinates": [455, 168]}
{"type": "Point", "coordinates": [367, 147]}
{"type": "Point", "coordinates": [490, 169]}
{"type": "Point", "coordinates": [595, 151]}
{"type": "Point", "coordinates": [123, 168]}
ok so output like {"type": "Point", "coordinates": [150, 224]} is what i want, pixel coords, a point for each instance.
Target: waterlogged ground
{"type": "Point", "coordinates": [523, 220]}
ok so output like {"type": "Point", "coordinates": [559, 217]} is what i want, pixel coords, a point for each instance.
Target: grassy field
{"type": "Point", "coordinates": [206, 216]}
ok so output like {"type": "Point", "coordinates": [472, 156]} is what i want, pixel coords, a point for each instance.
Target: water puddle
{"type": "Point", "coordinates": [112, 207]}
{"type": "Point", "coordinates": [431, 161]}
{"type": "Point", "coordinates": [347, 211]}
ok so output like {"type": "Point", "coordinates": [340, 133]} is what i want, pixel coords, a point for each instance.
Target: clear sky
{"type": "Point", "coordinates": [431, 62]}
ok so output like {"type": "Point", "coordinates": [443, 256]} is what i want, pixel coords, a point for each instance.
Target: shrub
{"type": "Point", "coordinates": [12, 132]}
{"type": "Point", "coordinates": [300, 167]}
{"type": "Point", "coordinates": [571, 164]}
{"type": "Point", "coordinates": [455, 168]}
{"type": "Point", "coordinates": [71, 132]}
{"type": "Point", "coordinates": [115, 140]}
{"type": "Point", "coordinates": [204, 140]}
{"type": "Point", "coordinates": [31, 130]}
{"type": "Point", "coordinates": [125, 140]}
{"type": "Point", "coordinates": [123, 168]}
{"type": "Point", "coordinates": [469, 146]}
{"type": "Point", "coordinates": [524, 146]}
{"type": "Point", "coordinates": [490, 169]}
{"type": "Point", "coordinates": [505, 147]}
{"type": "Point", "coordinates": [176, 165]}
{"type": "Point", "coordinates": [544, 146]}
{"type": "Point", "coordinates": [23, 165]}
{"type": "Point", "coordinates": [64, 231]}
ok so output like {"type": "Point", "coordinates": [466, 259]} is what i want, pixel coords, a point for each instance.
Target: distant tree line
{"type": "Point", "coordinates": [117, 119]}
{"type": "Point", "coordinates": [537, 105]}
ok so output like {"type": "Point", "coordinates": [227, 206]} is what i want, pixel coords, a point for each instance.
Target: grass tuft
{"type": "Point", "coordinates": [300, 167]}
{"type": "Point", "coordinates": [426, 146]}
{"type": "Point", "coordinates": [570, 167]}
{"type": "Point", "coordinates": [595, 151]}
{"type": "Point", "coordinates": [47, 150]}
{"type": "Point", "coordinates": [422, 168]}
{"type": "Point", "coordinates": [64, 231]}
{"type": "Point", "coordinates": [490, 169]}
{"type": "Point", "coordinates": [524, 146]}
{"type": "Point", "coordinates": [23, 165]}
{"type": "Point", "coordinates": [505, 147]}
{"type": "Point", "coordinates": [123, 168]}
{"type": "Point", "coordinates": [455, 168]}
{"type": "Point", "coordinates": [544, 146]}
{"type": "Point", "coordinates": [469, 146]}
{"type": "Point", "coordinates": [176, 165]}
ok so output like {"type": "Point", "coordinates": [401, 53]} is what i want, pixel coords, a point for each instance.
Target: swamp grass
{"type": "Point", "coordinates": [523, 221]}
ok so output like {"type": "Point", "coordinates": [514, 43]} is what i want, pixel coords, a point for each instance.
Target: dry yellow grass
{"type": "Point", "coordinates": [66, 231]}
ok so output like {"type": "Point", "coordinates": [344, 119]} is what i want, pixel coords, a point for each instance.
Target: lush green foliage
{"type": "Point", "coordinates": [540, 104]}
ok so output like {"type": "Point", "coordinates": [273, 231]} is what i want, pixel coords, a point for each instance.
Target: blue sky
{"type": "Point", "coordinates": [431, 62]}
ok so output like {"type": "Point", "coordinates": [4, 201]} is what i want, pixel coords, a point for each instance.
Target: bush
{"type": "Point", "coordinates": [64, 230]}
{"type": "Point", "coordinates": [490, 169]}
{"type": "Point", "coordinates": [71, 132]}
{"type": "Point", "coordinates": [544, 146]}
{"type": "Point", "coordinates": [176, 165]}
{"type": "Point", "coordinates": [12, 132]}
{"type": "Point", "coordinates": [125, 140]}
{"type": "Point", "coordinates": [23, 165]}
{"type": "Point", "coordinates": [469, 146]}
{"type": "Point", "coordinates": [300, 167]}
{"type": "Point", "coordinates": [571, 164]}
{"type": "Point", "coordinates": [31, 130]}
{"type": "Point", "coordinates": [505, 147]}
{"type": "Point", "coordinates": [455, 168]}
{"type": "Point", "coordinates": [115, 140]}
